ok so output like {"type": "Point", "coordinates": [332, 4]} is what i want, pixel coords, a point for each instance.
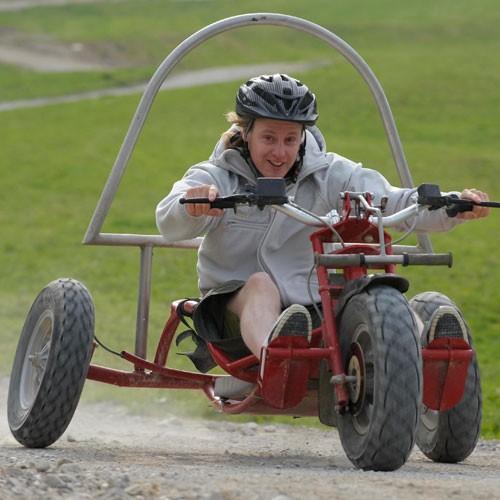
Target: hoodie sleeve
{"type": "Point", "coordinates": [172, 219]}
{"type": "Point", "coordinates": [365, 179]}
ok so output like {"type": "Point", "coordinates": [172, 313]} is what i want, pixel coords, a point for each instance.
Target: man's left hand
{"type": "Point", "coordinates": [477, 211]}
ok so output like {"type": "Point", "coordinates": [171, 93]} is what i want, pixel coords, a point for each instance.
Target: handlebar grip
{"type": "Point", "coordinates": [427, 259]}
{"type": "Point", "coordinates": [405, 259]}
{"type": "Point", "coordinates": [217, 203]}
{"type": "Point", "coordinates": [461, 206]}
{"type": "Point", "coordinates": [340, 260]}
{"type": "Point", "coordinates": [184, 201]}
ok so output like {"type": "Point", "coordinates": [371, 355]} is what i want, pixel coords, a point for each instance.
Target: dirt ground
{"type": "Point", "coordinates": [108, 453]}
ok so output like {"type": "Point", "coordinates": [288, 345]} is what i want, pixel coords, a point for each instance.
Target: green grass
{"type": "Point", "coordinates": [437, 62]}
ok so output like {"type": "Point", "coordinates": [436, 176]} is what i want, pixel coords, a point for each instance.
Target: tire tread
{"type": "Point", "coordinates": [458, 428]}
{"type": "Point", "coordinates": [66, 369]}
{"type": "Point", "coordinates": [392, 433]}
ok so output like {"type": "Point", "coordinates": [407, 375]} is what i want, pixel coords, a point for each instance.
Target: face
{"type": "Point", "coordinates": [274, 145]}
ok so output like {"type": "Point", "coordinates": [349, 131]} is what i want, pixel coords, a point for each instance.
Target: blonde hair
{"type": "Point", "coordinates": [232, 138]}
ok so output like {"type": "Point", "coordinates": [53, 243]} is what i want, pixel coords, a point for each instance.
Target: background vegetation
{"type": "Point", "coordinates": [437, 61]}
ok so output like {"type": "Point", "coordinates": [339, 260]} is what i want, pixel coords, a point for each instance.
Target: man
{"type": "Point", "coordinates": [253, 265]}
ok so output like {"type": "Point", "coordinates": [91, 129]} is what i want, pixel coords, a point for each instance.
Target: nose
{"type": "Point", "coordinates": [279, 151]}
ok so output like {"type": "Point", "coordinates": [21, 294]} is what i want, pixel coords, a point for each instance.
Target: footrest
{"type": "Point", "coordinates": [284, 380]}
{"type": "Point", "coordinates": [446, 362]}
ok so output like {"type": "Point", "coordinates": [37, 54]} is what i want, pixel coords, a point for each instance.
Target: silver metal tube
{"type": "Point", "coordinates": [141, 338]}
{"type": "Point", "coordinates": [300, 216]}
{"type": "Point", "coordinates": [146, 242]}
{"type": "Point", "coordinates": [396, 249]}
{"type": "Point", "coordinates": [210, 31]}
{"type": "Point", "coordinates": [155, 240]}
{"type": "Point", "coordinates": [379, 221]}
{"type": "Point", "coordinates": [356, 259]}
{"type": "Point", "coordinates": [387, 221]}
{"type": "Point", "coordinates": [398, 218]}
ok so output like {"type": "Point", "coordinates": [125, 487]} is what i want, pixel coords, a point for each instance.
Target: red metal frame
{"type": "Point", "coordinates": [290, 364]}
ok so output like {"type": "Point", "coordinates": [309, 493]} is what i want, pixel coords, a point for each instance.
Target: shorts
{"type": "Point", "coordinates": [216, 324]}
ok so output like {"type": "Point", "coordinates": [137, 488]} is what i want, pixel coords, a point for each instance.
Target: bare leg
{"type": "Point", "coordinates": [258, 305]}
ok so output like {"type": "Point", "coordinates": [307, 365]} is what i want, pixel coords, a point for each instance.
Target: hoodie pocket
{"type": "Point", "coordinates": [245, 224]}
{"type": "Point", "coordinates": [249, 218]}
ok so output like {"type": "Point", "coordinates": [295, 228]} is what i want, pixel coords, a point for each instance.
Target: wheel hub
{"type": "Point", "coordinates": [36, 359]}
{"type": "Point", "coordinates": [356, 368]}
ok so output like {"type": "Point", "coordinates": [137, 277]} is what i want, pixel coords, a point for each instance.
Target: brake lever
{"type": "Point", "coordinates": [457, 205]}
{"type": "Point", "coordinates": [430, 195]}
{"type": "Point", "coordinates": [219, 202]}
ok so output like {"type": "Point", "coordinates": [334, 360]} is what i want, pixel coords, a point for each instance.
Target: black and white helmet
{"type": "Point", "coordinates": [279, 97]}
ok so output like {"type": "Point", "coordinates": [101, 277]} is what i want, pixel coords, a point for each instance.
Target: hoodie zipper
{"type": "Point", "coordinates": [260, 259]}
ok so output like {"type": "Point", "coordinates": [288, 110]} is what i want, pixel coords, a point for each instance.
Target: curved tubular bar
{"type": "Point", "coordinates": [93, 235]}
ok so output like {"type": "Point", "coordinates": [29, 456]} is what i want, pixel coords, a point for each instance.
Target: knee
{"type": "Point", "coordinates": [262, 284]}
{"type": "Point", "coordinates": [260, 280]}
{"type": "Point", "coordinates": [259, 291]}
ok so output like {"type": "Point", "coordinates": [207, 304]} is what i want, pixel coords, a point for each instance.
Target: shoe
{"type": "Point", "coordinates": [293, 321]}
{"type": "Point", "coordinates": [446, 322]}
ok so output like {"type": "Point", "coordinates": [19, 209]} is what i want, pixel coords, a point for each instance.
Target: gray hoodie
{"type": "Point", "coordinates": [250, 240]}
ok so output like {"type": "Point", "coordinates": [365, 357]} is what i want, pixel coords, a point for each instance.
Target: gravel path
{"type": "Point", "coordinates": [107, 453]}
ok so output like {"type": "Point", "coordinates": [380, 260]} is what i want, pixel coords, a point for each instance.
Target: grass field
{"type": "Point", "coordinates": [437, 61]}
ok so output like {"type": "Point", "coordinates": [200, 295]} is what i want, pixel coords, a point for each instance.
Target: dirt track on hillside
{"type": "Point", "coordinates": [108, 453]}
{"type": "Point", "coordinates": [41, 53]}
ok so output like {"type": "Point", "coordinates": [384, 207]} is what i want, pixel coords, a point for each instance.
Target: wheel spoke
{"type": "Point", "coordinates": [44, 354]}
{"type": "Point", "coordinates": [41, 363]}
{"type": "Point", "coordinates": [37, 355]}
{"type": "Point", "coordinates": [39, 359]}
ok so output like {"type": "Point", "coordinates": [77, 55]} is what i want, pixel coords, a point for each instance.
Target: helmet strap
{"type": "Point", "coordinates": [245, 152]}
{"type": "Point", "coordinates": [294, 172]}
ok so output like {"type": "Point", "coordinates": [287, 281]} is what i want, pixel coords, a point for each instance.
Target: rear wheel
{"type": "Point", "coordinates": [451, 435]}
{"type": "Point", "coordinates": [380, 348]}
{"type": "Point", "coordinates": [51, 363]}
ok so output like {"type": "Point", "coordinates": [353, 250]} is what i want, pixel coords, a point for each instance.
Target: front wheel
{"type": "Point", "coordinates": [380, 348]}
{"type": "Point", "coordinates": [51, 363]}
{"type": "Point", "coordinates": [451, 435]}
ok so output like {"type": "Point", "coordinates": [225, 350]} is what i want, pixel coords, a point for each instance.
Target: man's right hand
{"type": "Point", "coordinates": [199, 209]}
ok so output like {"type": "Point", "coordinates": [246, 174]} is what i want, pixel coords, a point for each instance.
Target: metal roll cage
{"type": "Point", "coordinates": [94, 236]}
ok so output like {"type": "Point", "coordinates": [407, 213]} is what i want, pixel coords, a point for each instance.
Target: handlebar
{"type": "Point", "coordinates": [271, 192]}
{"type": "Point", "coordinates": [405, 259]}
{"type": "Point", "coordinates": [430, 196]}
{"type": "Point", "coordinates": [222, 201]}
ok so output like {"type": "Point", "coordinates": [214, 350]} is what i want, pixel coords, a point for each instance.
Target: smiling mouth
{"type": "Point", "coordinates": [276, 165]}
